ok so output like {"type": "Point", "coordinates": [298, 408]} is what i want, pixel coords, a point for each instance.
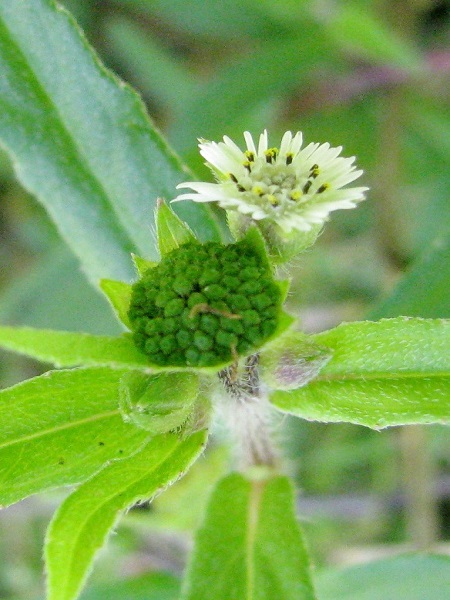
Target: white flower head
{"type": "Point", "coordinates": [291, 187]}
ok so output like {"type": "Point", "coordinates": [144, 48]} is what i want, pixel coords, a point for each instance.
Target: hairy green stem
{"type": "Point", "coordinates": [248, 414]}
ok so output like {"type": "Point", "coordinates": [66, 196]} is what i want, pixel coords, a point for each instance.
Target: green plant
{"type": "Point", "coordinates": [123, 425]}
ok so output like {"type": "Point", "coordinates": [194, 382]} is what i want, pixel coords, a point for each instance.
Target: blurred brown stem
{"type": "Point", "coordinates": [419, 485]}
{"type": "Point", "coordinates": [418, 466]}
{"type": "Point", "coordinates": [388, 177]}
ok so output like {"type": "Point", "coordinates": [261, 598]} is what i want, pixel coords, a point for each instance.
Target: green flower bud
{"type": "Point", "coordinates": [158, 403]}
{"type": "Point", "coordinates": [204, 305]}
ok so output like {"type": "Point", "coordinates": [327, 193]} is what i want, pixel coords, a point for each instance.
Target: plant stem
{"type": "Point", "coordinates": [417, 463]}
{"type": "Point", "coordinates": [387, 178]}
{"type": "Point", "coordinates": [418, 481]}
{"type": "Point", "coordinates": [402, 16]}
{"type": "Point", "coordinates": [248, 414]}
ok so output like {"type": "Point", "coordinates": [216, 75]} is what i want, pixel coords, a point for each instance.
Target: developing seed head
{"type": "Point", "coordinates": [204, 305]}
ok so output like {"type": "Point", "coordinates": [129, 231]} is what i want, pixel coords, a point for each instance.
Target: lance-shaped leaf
{"type": "Point", "coordinates": [85, 518]}
{"type": "Point", "coordinates": [150, 586]}
{"type": "Point", "coordinates": [53, 293]}
{"type": "Point", "coordinates": [391, 372]}
{"type": "Point", "coordinates": [59, 429]}
{"type": "Point", "coordinates": [356, 27]}
{"type": "Point", "coordinates": [250, 545]}
{"type": "Point", "coordinates": [222, 96]}
{"type": "Point", "coordinates": [82, 142]}
{"type": "Point", "coordinates": [428, 577]}
{"type": "Point", "coordinates": [423, 290]}
{"type": "Point", "coordinates": [69, 349]}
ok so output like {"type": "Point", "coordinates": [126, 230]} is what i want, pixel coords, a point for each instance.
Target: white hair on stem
{"type": "Point", "coordinates": [247, 415]}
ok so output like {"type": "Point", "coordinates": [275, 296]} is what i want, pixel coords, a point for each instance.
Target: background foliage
{"type": "Point", "coordinates": [372, 76]}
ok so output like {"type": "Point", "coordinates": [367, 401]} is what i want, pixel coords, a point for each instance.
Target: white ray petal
{"type": "Point", "coordinates": [285, 145]}
{"type": "Point", "coordinates": [250, 143]}
{"type": "Point", "coordinates": [263, 143]}
{"type": "Point", "coordinates": [297, 142]}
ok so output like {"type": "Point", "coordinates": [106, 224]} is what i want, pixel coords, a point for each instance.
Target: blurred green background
{"type": "Point", "coordinates": [370, 75]}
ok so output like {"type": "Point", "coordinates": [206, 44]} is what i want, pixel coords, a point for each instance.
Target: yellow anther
{"type": "Point", "coordinates": [249, 155]}
{"type": "Point", "coordinates": [323, 187]}
{"type": "Point", "coordinates": [257, 189]}
{"type": "Point", "coordinates": [295, 195]}
{"type": "Point", "coordinates": [273, 200]}
{"type": "Point", "coordinates": [289, 158]}
{"type": "Point", "coordinates": [271, 154]}
{"type": "Point", "coordinates": [248, 165]}
{"type": "Point", "coordinates": [314, 171]}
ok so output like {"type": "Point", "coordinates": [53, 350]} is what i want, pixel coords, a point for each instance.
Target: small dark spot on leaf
{"type": "Point", "coordinates": [61, 461]}
{"type": "Point", "coordinates": [120, 451]}
{"type": "Point", "coordinates": [101, 443]}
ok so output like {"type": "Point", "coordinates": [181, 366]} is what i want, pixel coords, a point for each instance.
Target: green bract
{"type": "Point", "coordinates": [204, 305]}
{"type": "Point", "coordinates": [158, 403]}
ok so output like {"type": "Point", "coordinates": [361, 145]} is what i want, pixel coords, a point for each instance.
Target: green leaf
{"type": "Point", "coordinates": [82, 142]}
{"type": "Point", "coordinates": [157, 403]}
{"type": "Point", "coordinates": [423, 291]}
{"type": "Point", "coordinates": [272, 69]}
{"type": "Point", "coordinates": [402, 345]}
{"type": "Point", "coordinates": [359, 29]}
{"type": "Point", "coordinates": [53, 293]}
{"type": "Point", "coordinates": [392, 372]}
{"type": "Point", "coordinates": [151, 586]}
{"type": "Point", "coordinates": [119, 296]}
{"type": "Point", "coordinates": [59, 429]}
{"type": "Point", "coordinates": [153, 65]}
{"type": "Point", "coordinates": [180, 508]}
{"type": "Point", "coordinates": [83, 521]}
{"type": "Point", "coordinates": [69, 349]}
{"type": "Point", "coordinates": [250, 545]}
{"type": "Point", "coordinates": [431, 122]}
{"type": "Point", "coordinates": [428, 576]}
{"type": "Point", "coordinates": [171, 231]}
{"type": "Point", "coordinates": [225, 19]}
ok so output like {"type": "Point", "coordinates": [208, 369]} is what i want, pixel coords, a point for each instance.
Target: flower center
{"type": "Point", "coordinates": [275, 182]}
